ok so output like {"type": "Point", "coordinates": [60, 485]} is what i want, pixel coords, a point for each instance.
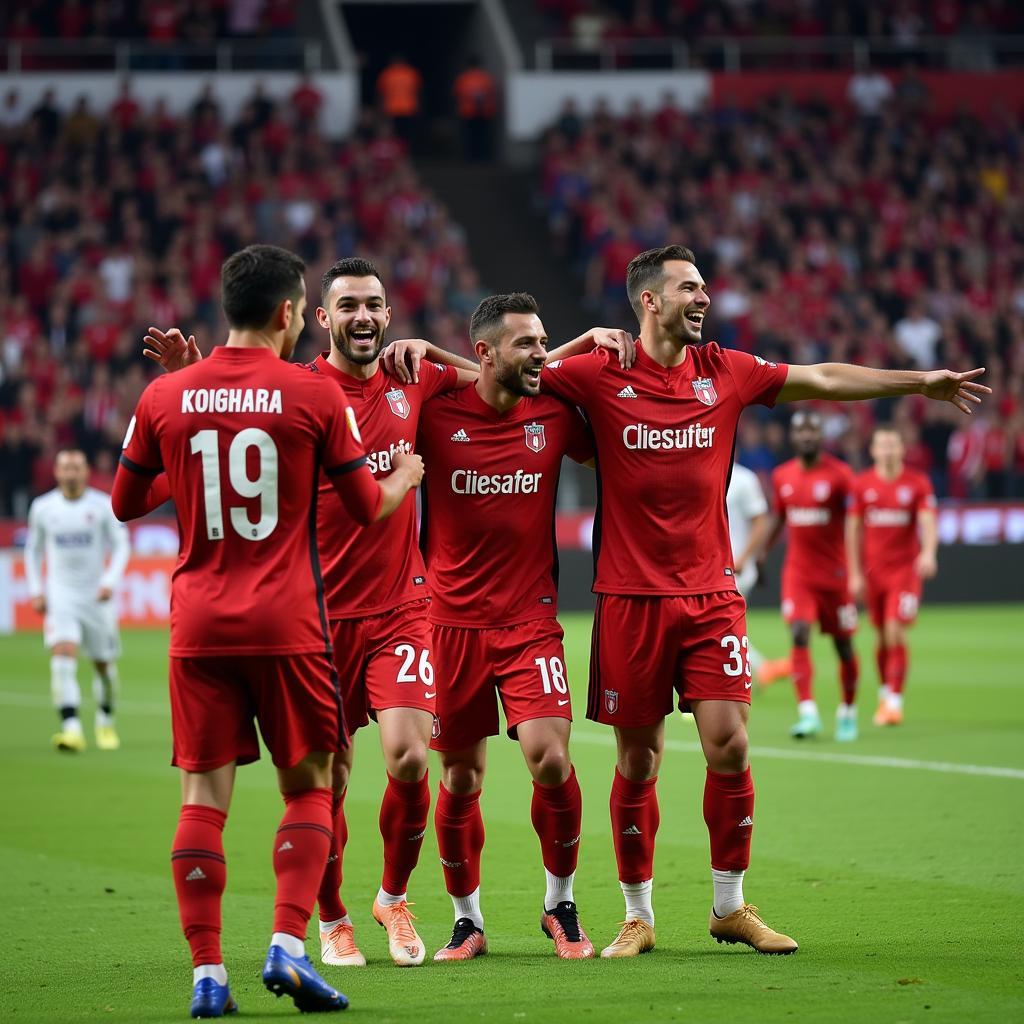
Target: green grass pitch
{"type": "Point", "coordinates": [902, 882]}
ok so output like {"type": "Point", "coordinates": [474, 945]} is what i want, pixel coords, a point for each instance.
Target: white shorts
{"type": "Point", "coordinates": [91, 625]}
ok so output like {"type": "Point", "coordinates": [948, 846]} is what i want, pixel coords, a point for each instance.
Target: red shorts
{"type": "Point", "coordinates": [293, 697]}
{"type": "Point", "coordinates": [894, 599]}
{"type": "Point", "coordinates": [646, 651]}
{"type": "Point", "coordinates": [523, 665]}
{"type": "Point", "coordinates": [383, 661]}
{"type": "Point", "coordinates": [833, 609]}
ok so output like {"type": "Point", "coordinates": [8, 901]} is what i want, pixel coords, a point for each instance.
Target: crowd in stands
{"type": "Point", "coordinates": [902, 23]}
{"type": "Point", "coordinates": [118, 219]}
{"type": "Point", "coordinates": [893, 238]}
{"type": "Point", "coordinates": [154, 21]}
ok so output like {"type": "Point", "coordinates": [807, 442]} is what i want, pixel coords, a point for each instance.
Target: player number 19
{"type": "Point", "coordinates": [263, 486]}
{"type": "Point", "coordinates": [736, 648]}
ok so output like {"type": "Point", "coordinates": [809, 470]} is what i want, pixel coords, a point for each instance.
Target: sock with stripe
{"type": "Point", "coordinates": [460, 842]}
{"type": "Point", "coordinates": [200, 874]}
{"type": "Point", "coordinates": [635, 820]}
{"type": "Point", "coordinates": [329, 897]}
{"type": "Point", "coordinates": [403, 824]}
{"type": "Point", "coordinates": [729, 816]}
{"type": "Point", "coordinates": [301, 846]}
{"type": "Point", "coordinates": [557, 814]}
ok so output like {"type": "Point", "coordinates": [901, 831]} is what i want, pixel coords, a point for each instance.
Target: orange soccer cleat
{"type": "Point", "coordinates": [338, 947]}
{"type": "Point", "coordinates": [888, 714]}
{"type": "Point", "coordinates": [774, 669]}
{"type": "Point", "coordinates": [467, 942]}
{"type": "Point", "coordinates": [563, 926]}
{"type": "Point", "coordinates": [404, 944]}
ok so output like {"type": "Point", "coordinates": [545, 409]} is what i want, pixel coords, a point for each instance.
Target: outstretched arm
{"type": "Point", "coordinates": [844, 382]}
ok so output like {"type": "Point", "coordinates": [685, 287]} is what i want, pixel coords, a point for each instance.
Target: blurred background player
{"type": "Point", "coordinates": [810, 497]}
{"type": "Point", "coordinates": [495, 451]}
{"type": "Point", "coordinates": [749, 523]}
{"type": "Point", "coordinates": [86, 550]}
{"type": "Point", "coordinates": [892, 538]}
{"type": "Point", "coordinates": [668, 628]}
{"type": "Point", "coordinates": [236, 440]}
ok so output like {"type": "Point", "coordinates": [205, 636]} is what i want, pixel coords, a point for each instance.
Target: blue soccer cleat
{"type": "Point", "coordinates": [211, 1000]}
{"type": "Point", "coordinates": [295, 977]}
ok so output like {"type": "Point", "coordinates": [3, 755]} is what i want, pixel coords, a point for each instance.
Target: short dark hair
{"type": "Point", "coordinates": [255, 280]}
{"type": "Point", "coordinates": [490, 314]}
{"type": "Point", "coordinates": [645, 272]}
{"type": "Point", "coordinates": [350, 266]}
{"type": "Point", "coordinates": [70, 449]}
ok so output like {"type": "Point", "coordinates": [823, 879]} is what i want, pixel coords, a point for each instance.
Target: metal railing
{"type": "Point", "coordinates": [127, 55]}
{"type": "Point", "coordinates": [954, 53]}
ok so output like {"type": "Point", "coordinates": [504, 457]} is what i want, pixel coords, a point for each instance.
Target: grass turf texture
{"type": "Point", "coordinates": [902, 885]}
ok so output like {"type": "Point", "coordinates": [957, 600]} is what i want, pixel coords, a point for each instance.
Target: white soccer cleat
{"type": "Point", "coordinates": [338, 947]}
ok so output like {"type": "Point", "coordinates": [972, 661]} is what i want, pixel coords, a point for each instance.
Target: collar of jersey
{"type": "Point", "coordinates": [521, 408]}
{"type": "Point", "coordinates": [644, 360]}
{"type": "Point", "coordinates": [241, 352]}
{"type": "Point", "coordinates": [347, 381]}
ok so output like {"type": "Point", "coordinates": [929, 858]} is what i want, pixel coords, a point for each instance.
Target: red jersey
{"type": "Point", "coordinates": [370, 571]}
{"type": "Point", "coordinates": [242, 436]}
{"type": "Point", "coordinates": [489, 506]}
{"type": "Point", "coordinates": [664, 438]}
{"type": "Point", "coordinates": [888, 510]}
{"type": "Point", "coordinates": [813, 504]}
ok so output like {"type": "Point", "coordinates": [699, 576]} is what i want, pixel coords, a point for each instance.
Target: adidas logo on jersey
{"type": "Point", "coordinates": [626, 392]}
{"type": "Point", "coordinates": [631, 831]}
{"type": "Point", "coordinates": [285, 846]}
{"type": "Point", "coordinates": [747, 822]}
{"type": "Point", "coordinates": [460, 435]}
{"type": "Point", "coordinates": [195, 875]}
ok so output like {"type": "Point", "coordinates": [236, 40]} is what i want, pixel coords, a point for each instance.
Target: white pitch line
{"type": "Point", "coordinates": [826, 757]}
{"type": "Point", "coordinates": [606, 739]}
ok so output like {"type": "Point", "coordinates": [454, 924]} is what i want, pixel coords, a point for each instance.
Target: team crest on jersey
{"type": "Point", "coordinates": [435, 729]}
{"type": "Point", "coordinates": [821, 490]}
{"type": "Point", "coordinates": [903, 495]}
{"type": "Point", "coordinates": [611, 701]}
{"type": "Point", "coordinates": [398, 402]}
{"type": "Point", "coordinates": [704, 389]}
{"type": "Point", "coordinates": [535, 439]}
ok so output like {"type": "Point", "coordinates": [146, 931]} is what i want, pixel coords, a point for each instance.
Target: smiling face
{"type": "Point", "coordinates": [681, 303]}
{"type": "Point", "coordinates": [516, 355]}
{"type": "Point", "coordinates": [356, 313]}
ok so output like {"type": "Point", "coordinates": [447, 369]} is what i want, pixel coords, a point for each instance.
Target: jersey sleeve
{"type": "Point", "coordinates": [436, 379]}
{"type": "Point", "coordinates": [344, 461]}
{"type": "Point", "coordinates": [140, 451]}
{"type": "Point", "coordinates": [925, 494]}
{"type": "Point", "coordinates": [778, 505]}
{"type": "Point", "coordinates": [34, 546]}
{"type": "Point", "coordinates": [855, 498]}
{"type": "Point", "coordinates": [758, 381]}
{"type": "Point", "coordinates": [573, 379]}
{"type": "Point", "coordinates": [579, 444]}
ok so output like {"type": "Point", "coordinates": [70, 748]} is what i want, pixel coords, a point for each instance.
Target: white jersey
{"type": "Point", "coordinates": [84, 546]}
{"type": "Point", "coordinates": [744, 501]}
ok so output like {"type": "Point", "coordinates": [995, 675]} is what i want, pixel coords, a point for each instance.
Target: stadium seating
{"type": "Point", "coordinates": [889, 237]}
{"type": "Point", "coordinates": [115, 220]}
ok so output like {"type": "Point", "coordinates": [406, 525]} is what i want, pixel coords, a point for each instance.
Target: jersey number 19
{"type": "Point", "coordinates": [263, 486]}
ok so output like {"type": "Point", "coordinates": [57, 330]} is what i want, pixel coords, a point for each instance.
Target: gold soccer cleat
{"type": "Point", "coordinates": [745, 925]}
{"type": "Point", "coordinates": [635, 937]}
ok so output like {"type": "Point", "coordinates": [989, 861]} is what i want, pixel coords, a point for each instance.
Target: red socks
{"type": "Point", "coordinates": [848, 674]}
{"type": "Point", "coordinates": [403, 823]}
{"type": "Point", "coordinates": [460, 840]}
{"type": "Point", "coordinates": [635, 820]}
{"type": "Point", "coordinates": [200, 873]}
{"type": "Point", "coordinates": [557, 813]}
{"type": "Point", "coordinates": [329, 897]}
{"type": "Point", "coordinates": [895, 674]}
{"type": "Point", "coordinates": [729, 814]}
{"type": "Point", "coordinates": [803, 673]}
{"type": "Point", "coordinates": [301, 846]}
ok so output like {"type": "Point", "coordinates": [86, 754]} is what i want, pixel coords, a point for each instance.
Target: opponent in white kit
{"type": "Point", "coordinates": [86, 550]}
